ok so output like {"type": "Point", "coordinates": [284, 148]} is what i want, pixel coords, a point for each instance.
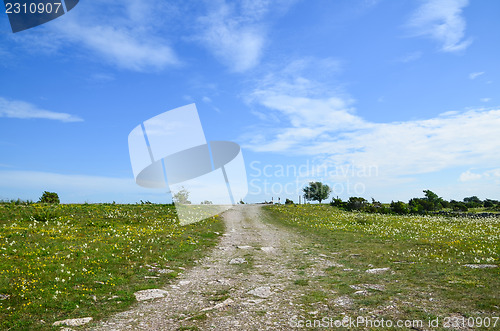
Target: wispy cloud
{"type": "Point", "coordinates": [235, 38]}
{"type": "Point", "coordinates": [123, 34]}
{"type": "Point", "coordinates": [474, 75]}
{"type": "Point", "coordinates": [485, 99]}
{"type": "Point", "coordinates": [121, 46]}
{"type": "Point", "coordinates": [26, 110]}
{"type": "Point", "coordinates": [414, 56]}
{"type": "Point", "coordinates": [442, 20]}
{"type": "Point", "coordinates": [236, 31]}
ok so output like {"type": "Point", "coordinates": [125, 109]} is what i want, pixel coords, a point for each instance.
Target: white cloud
{"type": "Point", "coordinates": [474, 75]}
{"type": "Point", "coordinates": [485, 99]}
{"type": "Point", "coordinates": [235, 39]}
{"type": "Point", "coordinates": [305, 122]}
{"type": "Point", "coordinates": [442, 20]}
{"type": "Point", "coordinates": [206, 99]}
{"type": "Point", "coordinates": [25, 110]}
{"type": "Point", "coordinates": [469, 176]}
{"type": "Point", "coordinates": [488, 174]}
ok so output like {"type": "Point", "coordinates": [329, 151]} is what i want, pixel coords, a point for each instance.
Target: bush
{"type": "Point", "coordinates": [288, 202]}
{"type": "Point", "coordinates": [356, 203]}
{"type": "Point", "coordinates": [49, 197]}
{"type": "Point", "coordinates": [459, 206]}
{"type": "Point", "coordinates": [336, 202]}
{"type": "Point", "coordinates": [399, 207]}
{"type": "Point", "coordinates": [473, 202]}
{"type": "Point", "coordinates": [488, 203]}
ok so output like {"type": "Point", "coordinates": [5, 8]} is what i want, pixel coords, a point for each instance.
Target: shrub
{"type": "Point", "coordinates": [399, 207]}
{"type": "Point", "coordinates": [356, 203]}
{"type": "Point", "coordinates": [459, 206]}
{"type": "Point", "coordinates": [337, 202]}
{"type": "Point", "coordinates": [288, 202]}
{"type": "Point", "coordinates": [49, 197]}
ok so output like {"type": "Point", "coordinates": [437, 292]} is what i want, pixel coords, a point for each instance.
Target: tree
{"type": "Point", "coordinates": [488, 203]}
{"type": "Point", "coordinates": [182, 197]}
{"type": "Point", "coordinates": [459, 206]}
{"type": "Point", "coordinates": [316, 191]}
{"type": "Point", "coordinates": [473, 202]}
{"type": "Point", "coordinates": [49, 197]}
{"type": "Point", "coordinates": [434, 200]}
{"type": "Point", "coordinates": [420, 205]}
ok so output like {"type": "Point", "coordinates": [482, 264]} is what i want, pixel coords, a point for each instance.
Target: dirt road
{"type": "Point", "coordinates": [251, 281]}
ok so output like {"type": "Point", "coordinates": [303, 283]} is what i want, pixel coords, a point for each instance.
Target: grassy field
{"type": "Point", "coordinates": [427, 278]}
{"type": "Point", "coordinates": [70, 261]}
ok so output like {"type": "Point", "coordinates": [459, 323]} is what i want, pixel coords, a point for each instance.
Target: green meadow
{"type": "Point", "coordinates": [437, 266]}
{"type": "Point", "coordinates": [69, 261]}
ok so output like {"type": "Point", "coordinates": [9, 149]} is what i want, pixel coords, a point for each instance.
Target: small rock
{"type": "Point", "coordinates": [255, 301]}
{"type": "Point", "coordinates": [150, 294]}
{"type": "Point", "coordinates": [244, 247]}
{"type": "Point", "coordinates": [377, 287]}
{"type": "Point", "coordinates": [184, 282]}
{"type": "Point", "coordinates": [261, 292]}
{"type": "Point", "coordinates": [480, 266]}
{"type": "Point", "coordinates": [361, 292]}
{"type": "Point", "coordinates": [219, 305]}
{"type": "Point", "coordinates": [4, 296]}
{"type": "Point", "coordinates": [165, 271]}
{"type": "Point", "coordinates": [343, 301]}
{"type": "Point", "coordinates": [377, 270]}
{"type": "Point", "coordinates": [73, 322]}
{"type": "Point", "coordinates": [151, 277]}
{"type": "Point", "coordinates": [347, 269]}
{"type": "Point", "coordinates": [267, 249]}
{"type": "Point", "coordinates": [238, 260]}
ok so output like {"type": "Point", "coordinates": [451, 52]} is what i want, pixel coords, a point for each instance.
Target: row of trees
{"type": "Point", "coordinates": [431, 202]}
{"type": "Point", "coordinates": [47, 197]}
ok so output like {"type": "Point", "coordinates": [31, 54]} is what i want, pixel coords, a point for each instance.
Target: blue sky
{"type": "Point", "coordinates": [378, 99]}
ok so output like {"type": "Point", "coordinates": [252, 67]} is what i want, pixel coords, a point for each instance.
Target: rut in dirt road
{"type": "Point", "coordinates": [246, 283]}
